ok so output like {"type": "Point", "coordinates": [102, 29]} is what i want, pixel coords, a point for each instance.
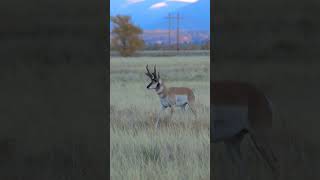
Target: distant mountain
{"type": "Point", "coordinates": [195, 16]}
{"type": "Point", "coordinates": [161, 37]}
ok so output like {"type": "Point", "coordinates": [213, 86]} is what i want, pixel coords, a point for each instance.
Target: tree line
{"type": "Point", "coordinates": [127, 38]}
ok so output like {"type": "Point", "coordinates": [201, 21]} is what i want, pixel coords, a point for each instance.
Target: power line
{"type": "Point", "coordinates": [178, 17]}
{"type": "Point", "coordinates": [169, 17]}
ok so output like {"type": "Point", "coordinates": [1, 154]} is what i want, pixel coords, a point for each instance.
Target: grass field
{"type": "Point", "coordinates": [180, 149]}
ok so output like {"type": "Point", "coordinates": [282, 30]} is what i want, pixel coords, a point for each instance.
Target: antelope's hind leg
{"type": "Point", "coordinates": [193, 109]}
{"type": "Point", "coordinates": [233, 146]}
{"type": "Point", "coordinates": [183, 107]}
{"type": "Point", "coordinates": [263, 148]}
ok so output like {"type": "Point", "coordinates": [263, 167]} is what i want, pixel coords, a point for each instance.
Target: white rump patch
{"type": "Point", "coordinates": [228, 121]}
{"type": "Point", "coordinates": [181, 100]}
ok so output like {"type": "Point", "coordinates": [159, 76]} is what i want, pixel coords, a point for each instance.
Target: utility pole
{"type": "Point", "coordinates": [169, 28]}
{"type": "Point", "coordinates": [169, 17]}
{"type": "Point", "coordinates": [178, 17]}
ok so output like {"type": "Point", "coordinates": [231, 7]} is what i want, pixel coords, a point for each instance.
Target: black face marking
{"type": "Point", "coordinates": [158, 86]}
{"type": "Point", "coordinates": [152, 82]}
{"type": "Point", "coordinates": [149, 85]}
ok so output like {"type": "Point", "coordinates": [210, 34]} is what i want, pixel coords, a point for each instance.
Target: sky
{"type": "Point", "coordinates": [150, 14]}
{"type": "Point", "coordinates": [148, 5]}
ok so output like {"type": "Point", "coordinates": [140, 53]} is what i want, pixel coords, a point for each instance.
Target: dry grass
{"type": "Point", "coordinates": [180, 149]}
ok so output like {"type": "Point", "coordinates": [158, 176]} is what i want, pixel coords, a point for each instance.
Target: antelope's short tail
{"type": "Point", "coordinates": [191, 97]}
{"type": "Point", "coordinates": [262, 111]}
{"type": "Point", "coordinates": [191, 101]}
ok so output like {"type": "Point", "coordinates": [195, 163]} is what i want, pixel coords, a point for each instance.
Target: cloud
{"type": "Point", "coordinates": [158, 5]}
{"type": "Point", "coordinates": [134, 1]}
{"type": "Point", "coordinates": [184, 1]}
{"type": "Point", "coordinates": [164, 3]}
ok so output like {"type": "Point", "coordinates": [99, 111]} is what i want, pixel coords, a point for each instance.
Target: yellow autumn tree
{"type": "Point", "coordinates": [125, 35]}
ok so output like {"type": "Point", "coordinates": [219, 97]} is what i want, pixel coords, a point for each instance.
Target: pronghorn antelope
{"type": "Point", "coordinates": [239, 109]}
{"type": "Point", "coordinates": [170, 97]}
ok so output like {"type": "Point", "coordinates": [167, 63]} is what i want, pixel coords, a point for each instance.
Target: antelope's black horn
{"type": "Point", "coordinates": [148, 72]}
{"type": "Point", "coordinates": [154, 71]}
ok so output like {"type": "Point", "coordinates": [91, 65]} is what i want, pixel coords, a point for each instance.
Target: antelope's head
{"type": "Point", "coordinates": [155, 79]}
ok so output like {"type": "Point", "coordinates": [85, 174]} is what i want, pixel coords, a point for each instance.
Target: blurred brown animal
{"type": "Point", "coordinates": [240, 109]}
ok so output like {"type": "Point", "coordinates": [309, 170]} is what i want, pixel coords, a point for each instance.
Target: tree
{"type": "Point", "coordinates": [206, 45]}
{"type": "Point", "coordinates": [126, 36]}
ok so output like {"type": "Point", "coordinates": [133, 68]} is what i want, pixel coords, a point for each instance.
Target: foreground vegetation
{"type": "Point", "coordinates": [180, 149]}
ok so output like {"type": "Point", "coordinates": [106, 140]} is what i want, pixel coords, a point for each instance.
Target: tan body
{"type": "Point", "coordinates": [253, 117]}
{"type": "Point", "coordinates": [173, 91]}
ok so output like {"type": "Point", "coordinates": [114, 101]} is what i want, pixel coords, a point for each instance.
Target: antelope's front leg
{"type": "Point", "coordinates": [171, 112]}
{"type": "Point", "coordinates": [158, 116]}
